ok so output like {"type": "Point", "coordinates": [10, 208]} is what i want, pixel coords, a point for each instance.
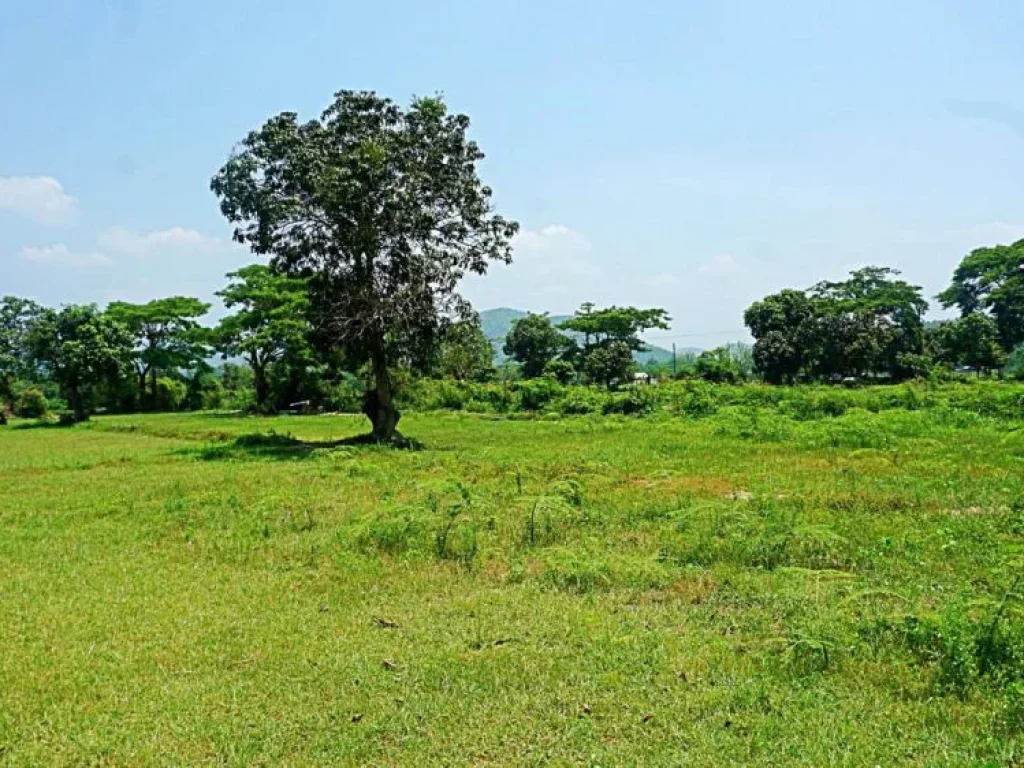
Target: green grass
{"type": "Point", "coordinates": [745, 588]}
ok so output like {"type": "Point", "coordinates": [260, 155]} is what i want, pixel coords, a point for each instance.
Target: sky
{"type": "Point", "coordinates": [682, 154]}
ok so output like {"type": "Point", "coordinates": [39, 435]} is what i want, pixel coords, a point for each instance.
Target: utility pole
{"type": "Point", "coordinates": [673, 359]}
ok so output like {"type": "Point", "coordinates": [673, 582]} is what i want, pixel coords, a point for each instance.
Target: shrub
{"type": "Point", "coordinates": [582, 400]}
{"type": "Point", "coordinates": [536, 394]}
{"type": "Point", "coordinates": [561, 371]}
{"type": "Point", "coordinates": [635, 401]}
{"type": "Point", "coordinates": [170, 394]}
{"type": "Point", "coordinates": [31, 404]}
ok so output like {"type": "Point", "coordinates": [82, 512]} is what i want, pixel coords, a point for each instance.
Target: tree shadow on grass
{"type": "Point", "coordinates": [39, 425]}
{"type": "Point", "coordinates": [279, 447]}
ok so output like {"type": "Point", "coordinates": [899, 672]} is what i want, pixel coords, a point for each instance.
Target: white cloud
{"type": "Point", "coordinates": [39, 198]}
{"type": "Point", "coordinates": [59, 255]}
{"type": "Point", "coordinates": [552, 268]}
{"type": "Point", "coordinates": [554, 251]}
{"type": "Point", "coordinates": [722, 264]}
{"type": "Point", "coordinates": [121, 240]}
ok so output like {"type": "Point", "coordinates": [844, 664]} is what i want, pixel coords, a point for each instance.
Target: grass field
{"type": "Point", "coordinates": [739, 589]}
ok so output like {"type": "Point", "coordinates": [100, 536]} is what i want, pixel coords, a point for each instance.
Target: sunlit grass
{"type": "Point", "coordinates": [744, 588]}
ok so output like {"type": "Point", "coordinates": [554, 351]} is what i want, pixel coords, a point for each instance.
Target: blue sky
{"type": "Point", "coordinates": [691, 155]}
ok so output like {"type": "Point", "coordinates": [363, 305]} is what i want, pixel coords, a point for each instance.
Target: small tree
{"type": "Point", "coordinates": [718, 365]}
{"type": "Point", "coordinates": [166, 335]}
{"type": "Point", "coordinates": [973, 341]}
{"type": "Point", "coordinates": [383, 209]}
{"type": "Point", "coordinates": [465, 353]}
{"type": "Point", "coordinates": [561, 371]}
{"type": "Point", "coordinates": [610, 363]}
{"type": "Point", "coordinates": [534, 342]}
{"type": "Point", "coordinates": [80, 348]}
{"type": "Point", "coordinates": [269, 323]}
{"type": "Point", "coordinates": [17, 317]}
{"type": "Point", "coordinates": [600, 327]}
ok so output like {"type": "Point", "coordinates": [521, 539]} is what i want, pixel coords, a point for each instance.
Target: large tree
{"type": "Point", "coordinates": [872, 322]}
{"type": "Point", "coordinates": [991, 280]}
{"type": "Point", "coordinates": [782, 326]}
{"type": "Point", "coordinates": [16, 319]}
{"type": "Point", "coordinates": [166, 335]}
{"type": "Point", "coordinates": [80, 348]}
{"type": "Point", "coordinates": [382, 208]}
{"type": "Point", "coordinates": [533, 342]}
{"type": "Point", "coordinates": [270, 322]}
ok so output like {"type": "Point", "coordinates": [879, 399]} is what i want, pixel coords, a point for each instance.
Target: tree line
{"type": "Point", "coordinates": [367, 219]}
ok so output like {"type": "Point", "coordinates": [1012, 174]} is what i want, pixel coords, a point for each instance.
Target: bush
{"type": "Point", "coordinates": [31, 404]}
{"type": "Point", "coordinates": [561, 371]}
{"type": "Point", "coordinates": [535, 394]}
{"type": "Point", "coordinates": [635, 401]}
{"type": "Point", "coordinates": [170, 394]}
{"type": "Point", "coordinates": [582, 400]}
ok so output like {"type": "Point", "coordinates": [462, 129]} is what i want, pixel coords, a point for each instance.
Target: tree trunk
{"type": "Point", "coordinates": [142, 388]}
{"type": "Point", "coordinates": [259, 379]}
{"type": "Point", "coordinates": [152, 384]}
{"type": "Point", "coordinates": [77, 403]}
{"type": "Point", "coordinates": [379, 406]}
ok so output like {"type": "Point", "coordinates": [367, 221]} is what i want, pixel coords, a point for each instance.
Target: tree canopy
{"type": "Point", "coordinates": [465, 354]}
{"type": "Point", "coordinates": [533, 342]}
{"type": "Point", "coordinates": [991, 280]}
{"type": "Point", "coordinates": [971, 341]}
{"type": "Point", "coordinates": [382, 208]}
{"type": "Point", "coordinates": [623, 324]}
{"type": "Point", "coordinates": [870, 323]}
{"type": "Point", "coordinates": [17, 317]}
{"type": "Point", "coordinates": [269, 322]}
{"type": "Point", "coordinates": [80, 347]}
{"type": "Point", "coordinates": [165, 332]}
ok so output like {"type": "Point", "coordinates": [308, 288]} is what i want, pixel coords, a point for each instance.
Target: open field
{"type": "Point", "coordinates": [744, 588]}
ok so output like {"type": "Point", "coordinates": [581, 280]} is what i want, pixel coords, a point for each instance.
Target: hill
{"type": "Point", "coordinates": [496, 323]}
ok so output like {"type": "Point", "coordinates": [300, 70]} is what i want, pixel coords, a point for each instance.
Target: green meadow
{"type": "Point", "coordinates": [741, 588]}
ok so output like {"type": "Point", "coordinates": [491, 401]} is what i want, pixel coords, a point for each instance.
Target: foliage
{"type": "Point", "coordinates": [561, 371]}
{"type": "Point", "coordinates": [31, 403]}
{"type": "Point", "coordinates": [718, 365]}
{"type": "Point", "coordinates": [971, 341]}
{"type": "Point", "coordinates": [610, 363]}
{"type": "Point", "coordinates": [991, 280]}
{"type": "Point", "coordinates": [600, 327]}
{"type": "Point", "coordinates": [783, 325]}
{"type": "Point", "coordinates": [80, 347]}
{"type": "Point", "coordinates": [869, 324]}
{"type": "Point", "coordinates": [534, 342]}
{"type": "Point", "coordinates": [465, 354]}
{"type": "Point", "coordinates": [268, 324]}
{"type": "Point", "coordinates": [167, 336]}
{"type": "Point", "coordinates": [17, 317]}
{"type": "Point", "coordinates": [383, 210]}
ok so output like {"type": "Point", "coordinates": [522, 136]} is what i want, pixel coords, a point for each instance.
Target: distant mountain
{"type": "Point", "coordinates": [496, 323]}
